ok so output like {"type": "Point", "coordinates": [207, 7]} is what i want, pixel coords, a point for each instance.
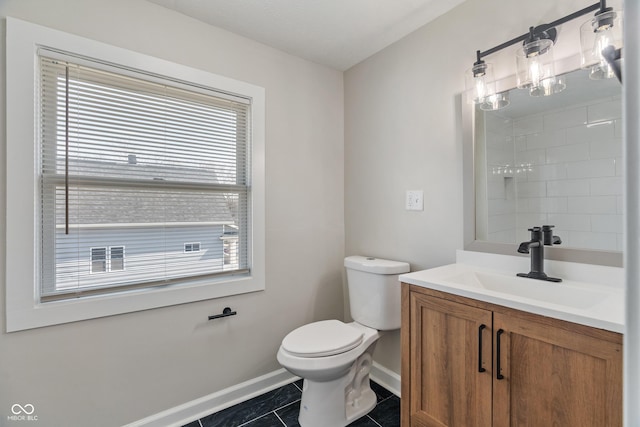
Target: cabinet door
{"type": "Point", "coordinates": [555, 377]}
{"type": "Point", "coordinates": [449, 343]}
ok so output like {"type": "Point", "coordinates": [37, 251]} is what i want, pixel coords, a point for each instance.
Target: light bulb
{"type": "Point", "coordinates": [481, 88]}
{"type": "Point", "coordinates": [599, 32]}
{"type": "Point", "coordinates": [601, 70]}
{"type": "Point", "coordinates": [535, 71]}
{"type": "Point", "coordinates": [479, 83]}
{"type": "Point", "coordinates": [534, 64]}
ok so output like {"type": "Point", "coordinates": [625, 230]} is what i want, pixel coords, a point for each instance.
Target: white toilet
{"type": "Point", "coordinates": [334, 358]}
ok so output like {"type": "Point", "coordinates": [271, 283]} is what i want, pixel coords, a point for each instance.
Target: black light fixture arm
{"type": "Point", "coordinates": [543, 31]}
{"type": "Point", "coordinates": [612, 55]}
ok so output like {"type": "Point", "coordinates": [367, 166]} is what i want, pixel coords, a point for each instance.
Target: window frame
{"type": "Point", "coordinates": [84, 105]}
{"type": "Point", "coordinates": [23, 307]}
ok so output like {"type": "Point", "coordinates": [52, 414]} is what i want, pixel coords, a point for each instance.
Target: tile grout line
{"type": "Point", "coordinates": [280, 419]}
{"type": "Point", "coordinates": [288, 404]}
{"type": "Point", "coordinates": [253, 419]}
{"type": "Point", "coordinates": [383, 400]}
{"type": "Point", "coordinates": [374, 421]}
{"type": "Point", "coordinates": [282, 407]}
{"type": "Point", "coordinates": [267, 413]}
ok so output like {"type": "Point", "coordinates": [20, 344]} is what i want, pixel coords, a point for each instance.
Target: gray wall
{"type": "Point", "coordinates": [402, 132]}
{"type": "Point", "coordinates": [115, 370]}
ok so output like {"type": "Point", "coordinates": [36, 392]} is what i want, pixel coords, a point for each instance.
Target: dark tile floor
{"type": "Point", "coordinates": [279, 408]}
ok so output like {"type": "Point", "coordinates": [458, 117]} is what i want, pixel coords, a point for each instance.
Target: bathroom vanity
{"type": "Point", "coordinates": [482, 347]}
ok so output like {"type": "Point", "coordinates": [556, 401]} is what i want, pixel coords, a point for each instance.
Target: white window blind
{"type": "Point", "coordinates": [129, 160]}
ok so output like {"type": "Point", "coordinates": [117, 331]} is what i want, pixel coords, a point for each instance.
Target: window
{"type": "Point", "coordinates": [150, 162]}
{"type": "Point", "coordinates": [107, 259]}
{"type": "Point", "coordinates": [116, 258]}
{"type": "Point", "coordinates": [98, 260]}
{"type": "Point", "coordinates": [130, 148]}
{"type": "Point", "coordinates": [192, 247]}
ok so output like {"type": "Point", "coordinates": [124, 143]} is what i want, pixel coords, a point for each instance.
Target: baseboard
{"type": "Point", "coordinates": [199, 408]}
{"type": "Point", "coordinates": [386, 378]}
{"type": "Point", "coordinates": [214, 402]}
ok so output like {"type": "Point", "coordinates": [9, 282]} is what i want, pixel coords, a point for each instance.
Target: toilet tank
{"type": "Point", "coordinates": [374, 291]}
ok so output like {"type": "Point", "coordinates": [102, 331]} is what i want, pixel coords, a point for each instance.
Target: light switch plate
{"type": "Point", "coordinates": [415, 200]}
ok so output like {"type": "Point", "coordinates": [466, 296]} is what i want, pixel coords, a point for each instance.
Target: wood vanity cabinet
{"type": "Point", "coordinates": [467, 363]}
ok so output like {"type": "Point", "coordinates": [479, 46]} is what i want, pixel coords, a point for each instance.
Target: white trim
{"type": "Point", "coordinates": [23, 311]}
{"type": "Point", "coordinates": [214, 402]}
{"type": "Point", "coordinates": [386, 378]}
{"type": "Point", "coordinates": [631, 109]}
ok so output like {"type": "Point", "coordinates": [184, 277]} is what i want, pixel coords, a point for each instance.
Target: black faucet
{"type": "Point", "coordinates": [539, 238]}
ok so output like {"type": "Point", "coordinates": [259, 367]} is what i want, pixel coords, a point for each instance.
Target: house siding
{"type": "Point", "coordinates": [150, 254]}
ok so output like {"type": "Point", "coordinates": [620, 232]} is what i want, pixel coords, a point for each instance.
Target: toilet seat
{"type": "Point", "coordinates": [320, 339]}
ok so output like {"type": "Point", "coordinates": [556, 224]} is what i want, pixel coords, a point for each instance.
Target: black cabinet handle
{"type": "Point", "coordinates": [499, 376]}
{"type": "Point", "coordinates": [480, 329]}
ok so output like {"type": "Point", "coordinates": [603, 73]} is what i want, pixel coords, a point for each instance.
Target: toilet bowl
{"type": "Point", "coordinates": [336, 387]}
{"type": "Point", "coordinates": [334, 358]}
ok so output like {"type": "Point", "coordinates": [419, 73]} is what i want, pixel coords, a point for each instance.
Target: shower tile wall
{"type": "Point", "coordinates": [562, 167]}
{"type": "Point", "coordinates": [501, 190]}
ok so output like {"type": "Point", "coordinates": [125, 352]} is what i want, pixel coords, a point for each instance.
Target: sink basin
{"type": "Point", "coordinates": [555, 293]}
{"type": "Point", "coordinates": [589, 295]}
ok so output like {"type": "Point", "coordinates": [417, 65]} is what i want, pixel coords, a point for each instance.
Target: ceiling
{"type": "Point", "coordinates": [335, 33]}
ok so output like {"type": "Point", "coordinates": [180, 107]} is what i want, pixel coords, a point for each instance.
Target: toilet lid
{"type": "Point", "coordinates": [324, 338]}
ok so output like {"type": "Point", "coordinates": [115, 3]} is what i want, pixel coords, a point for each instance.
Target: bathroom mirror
{"type": "Point", "coordinates": [548, 160]}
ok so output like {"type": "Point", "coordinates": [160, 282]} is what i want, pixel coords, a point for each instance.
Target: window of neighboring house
{"type": "Point", "coordinates": [98, 260]}
{"type": "Point", "coordinates": [192, 247]}
{"type": "Point", "coordinates": [116, 258]}
{"type": "Point", "coordinates": [148, 156]}
{"type": "Point", "coordinates": [107, 259]}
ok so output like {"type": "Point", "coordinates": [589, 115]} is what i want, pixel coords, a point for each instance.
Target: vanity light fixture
{"type": "Point", "coordinates": [483, 87]}
{"type": "Point", "coordinates": [535, 62]}
{"type": "Point", "coordinates": [600, 33]}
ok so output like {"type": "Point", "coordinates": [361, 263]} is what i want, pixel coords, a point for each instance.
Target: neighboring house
{"type": "Point", "coordinates": [159, 235]}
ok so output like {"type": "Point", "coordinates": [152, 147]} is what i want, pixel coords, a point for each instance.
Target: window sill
{"type": "Point", "coordinates": [29, 316]}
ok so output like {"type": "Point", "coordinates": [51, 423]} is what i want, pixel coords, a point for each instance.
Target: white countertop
{"type": "Point", "coordinates": [589, 295]}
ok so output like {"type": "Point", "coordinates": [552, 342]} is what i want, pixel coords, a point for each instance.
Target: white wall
{"type": "Point", "coordinates": [115, 370]}
{"type": "Point", "coordinates": [403, 132]}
